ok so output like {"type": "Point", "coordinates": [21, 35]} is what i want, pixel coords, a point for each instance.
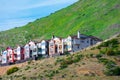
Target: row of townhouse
{"type": "Point", "coordinates": [53, 47]}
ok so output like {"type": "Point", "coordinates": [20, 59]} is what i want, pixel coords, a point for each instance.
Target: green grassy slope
{"type": "Point", "coordinates": [100, 18]}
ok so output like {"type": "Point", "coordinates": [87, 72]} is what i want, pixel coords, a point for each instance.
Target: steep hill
{"type": "Point", "coordinates": [98, 63]}
{"type": "Point", "coordinates": [100, 18]}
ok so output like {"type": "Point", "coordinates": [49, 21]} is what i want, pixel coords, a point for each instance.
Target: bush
{"type": "Point", "coordinates": [99, 55]}
{"type": "Point", "coordinates": [51, 73]}
{"type": "Point", "coordinates": [110, 52]}
{"type": "Point", "coordinates": [66, 53]}
{"type": "Point", "coordinates": [91, 55]}
{"type": "Point", "coordinates": [12, 70]}
{"type": "Point", "coordinates": [113, 71]}
{"type": "Point", "coordinates": [111, 67]}
{"type": "Point", "coordinates": [28, 67]}
{"type": "Point", "coordinates": [70, 60]}
{"type": "Point", "coordinates": [106, 61]}
{"type": "Point", "coordinates": [113, 42]}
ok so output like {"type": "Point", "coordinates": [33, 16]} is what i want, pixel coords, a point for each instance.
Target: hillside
{"type": "Point", "coordinates": [98, 63]}
{"type": "Point", "coordinates": [92, 17]}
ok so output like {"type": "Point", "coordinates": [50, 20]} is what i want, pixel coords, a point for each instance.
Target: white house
{"type": "Point", "coordinates": [4, 57]}
{"type": "Point", "coordinates": [43, 47]}
{"type": "Point", "coordinates": [26, 51]}
{"type": "Point", "coordinates": [18, 53]}
{"type": "Point", "coordinates": [33, 49]}
{"type": "Point", "coordinates": [79, 42]}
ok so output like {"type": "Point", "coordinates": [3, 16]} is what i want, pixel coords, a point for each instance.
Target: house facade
{"type": "Point", "coordinates": [56, 46]}
{"type": "Point", "coordinates": [43, 48]}
{"type": "Point", "coordinates": [52, 48]}
{"type": "Point", "coordinates": [4, 57]}
{"type": "Point", "coordinates": [19, 52]}
{"type": "Point", "coordinates": [12, 57]}
{"type": "Point", "coordinates": [79, 42]}
{"type": "Point", "coordinates": [26, 51]}
{"type": "Point", "coordinates": [33, 49]}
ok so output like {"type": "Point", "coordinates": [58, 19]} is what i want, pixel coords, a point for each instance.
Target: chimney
{"type": "Point", "coordinates": [78, 35]}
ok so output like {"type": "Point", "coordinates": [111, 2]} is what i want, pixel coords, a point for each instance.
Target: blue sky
{"type": "Point", "coordinates": [15, 13]}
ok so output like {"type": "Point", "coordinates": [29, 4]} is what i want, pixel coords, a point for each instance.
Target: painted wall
{"type": "Point", "coordinates": [26, 51]}
{"type": "Point", "coordinates": [51, 47]}
{"type": "Point", "coordinates": [18, 53]}
{"type": "Point", "coordinates": [4, 57]}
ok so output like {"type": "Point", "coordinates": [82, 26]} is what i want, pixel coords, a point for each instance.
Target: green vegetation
{"type": "Point", "coordinates": [12, 70]}
{"type": "Point", "coordinates": [92, 17]}
{"type": "Point", "coordinates": [110, 47]}
{"type": "Point", "coordinates": [112, 69]}
{"type": "Point", "coordinates": [70, 59]}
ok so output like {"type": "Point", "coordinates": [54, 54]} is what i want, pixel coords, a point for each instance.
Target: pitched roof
{"type": "Point", "coordinates": [93, 37]}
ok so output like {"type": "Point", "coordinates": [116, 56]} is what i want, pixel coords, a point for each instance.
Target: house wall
{"type": "Point", "coordinates": [26, 51]}
{"type": "Point", "coordinates": [35, 51]}
{"type": "Point", "coordinates": [22, 53]}
{"type": "Point", "coordinates": [4, 57]}
{"type": "Point", "coordinates": [44, 47]}
{"type": "Point", "coordinates": [76, 44]}
{"type": "Point", "coordinates": [39, 48]}
{"type": "Point", "coordinates": [11, 55]}
{"type": "Point", "coordinates": [18, 53]}
{"type": "Point", "coordinates": [59, 45]}
{"type": "Point", "coordinates": [68, 42]}
{"type": "Point", "coordinates": [52, 47]}
{"type": "Point", "coordinates": [15, 54]}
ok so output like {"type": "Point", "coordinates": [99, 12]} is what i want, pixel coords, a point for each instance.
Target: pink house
{"type": "Point", "coordinates": [56, 46]}
{"type": "Point", "coordinates": [12, 57]}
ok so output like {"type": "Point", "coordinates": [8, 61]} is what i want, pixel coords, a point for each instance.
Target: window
{"type": "Point", "coordinates": [43, 44]}
{"type": "Point", "coordinates": [60, 47]}
{"type": "Point", "coordinates": [43, 50]}
{"type": "Point", "coordinates": [69, 46]}
{"type": "Point", "coordinates": [78, 47]}
{"type": "Point", "coordinates": [39, 49]}
{"type": "Point", "coordinates": [87, 41]}
{"type": "Point", "coordinates": [82, 41]}
{"type": "Point", "coordinates": [34, 50]}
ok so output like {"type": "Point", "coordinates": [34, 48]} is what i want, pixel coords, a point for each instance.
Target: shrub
{"type": "Point", "coordinates": [91, 55]}
{"type": "Point", "coordinates": [62, 66]}
{"type": "Point", "coordinates": [113, 42]}
{"type": "Point", "coordinates": [30, 61]}
{"type": "Point", "coordinates": [99, 55]}
{"type": "Point", "coordinates": [51, 73]}
{"type": "Point", "coordinates": [68, 60]}
{"type": "Point", "coordinates": [111, 67]}
{"type": "Point", "coordinates": [12, 70]}
{"type": "Point", "coordinates": [24, 78]}
{"type": "Point", "coordinates": [28, 67]}
{"type": "Point", "coordinates": [113, 71]}
{"type": "Point", "coordinates": [110, 52]}
{"type": "Point", "coordinates": [106, 61]}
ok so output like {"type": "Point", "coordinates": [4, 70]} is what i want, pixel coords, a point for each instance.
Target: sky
{"type": "Point", "coordinates": [16, 13]}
